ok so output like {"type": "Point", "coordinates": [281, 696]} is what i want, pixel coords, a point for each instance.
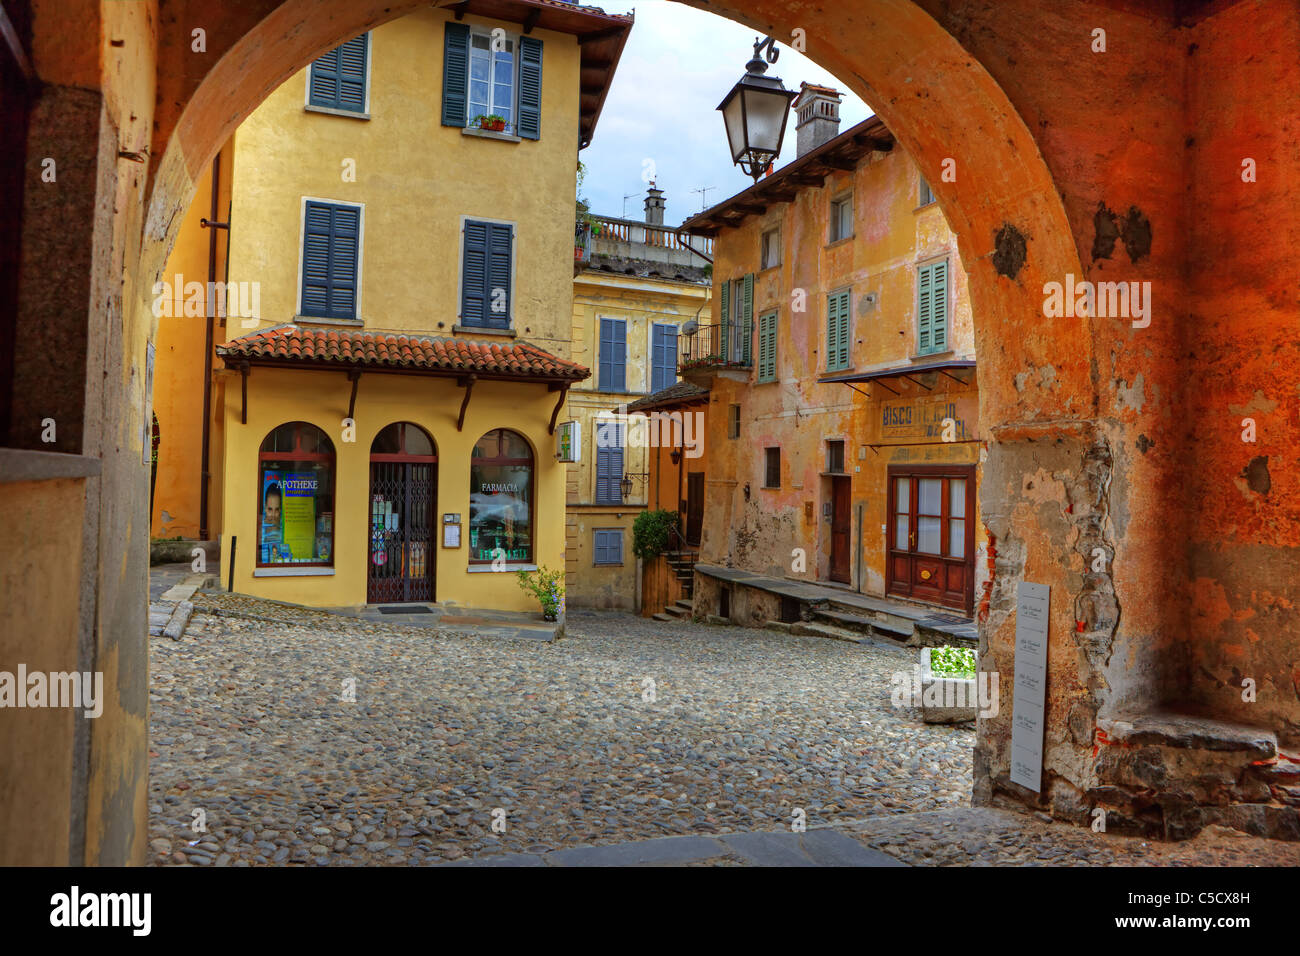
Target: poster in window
{"type": "Point", "coordinates": [289, 527]}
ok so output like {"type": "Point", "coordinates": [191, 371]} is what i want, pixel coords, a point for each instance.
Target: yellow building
{"type": "Point", "coordinates": [396, 350]}
{"type": "Point", "coordinates": [635, 283]}
{"type": "Point", "coordinates": [843, 442]}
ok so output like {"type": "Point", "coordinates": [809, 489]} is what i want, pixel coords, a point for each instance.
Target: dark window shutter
{"type": "Point", "coordinates": [337, 79]}
{"type": "Point", "coordinates": [329, 260]}
{"type": "Point", "coordinates": [474, 297]}
{"type": "Point", "coordinates": [664, 357]}
{"type": "Point", "coordinates": [609, 463]}
{"type": "Point", "coordinates": [501, 239]}
{"type": "Point", "coordinates": [620, 357]}
{"type": "Point", "coordinates": [530, 88]}
{"type": "Point", "coordinates": [613, 355]}
{"type": "Point", "coordinates": [455, 74]}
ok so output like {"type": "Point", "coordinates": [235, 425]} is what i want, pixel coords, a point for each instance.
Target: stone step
{"type": "Point", "coordinates": [687, 606]}
{"type": "Point", "coordinates": [667, 618]}
{"type": "Point", "coordinates": [865, 625]}
{"type": "Point", "coordinates": [677, 613]}
{"type": "Point", "coordinates": [811, 629]}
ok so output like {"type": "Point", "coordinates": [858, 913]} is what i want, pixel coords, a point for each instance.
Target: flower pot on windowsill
{"type": "Point", "coordinates": [493, 124]}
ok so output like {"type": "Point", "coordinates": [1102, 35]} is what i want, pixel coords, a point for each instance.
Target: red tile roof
{"type": "Point", "coordinates": [291, 345]}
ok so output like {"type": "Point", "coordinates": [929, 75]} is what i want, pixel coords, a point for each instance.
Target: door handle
{"type": "Point", "coordinates": [911, 540]}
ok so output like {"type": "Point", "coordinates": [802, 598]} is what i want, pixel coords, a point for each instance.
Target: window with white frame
{"type": "Point", "coordinates": [841, 218]}
{"type": "Point", "coordinates": [492, 78]}
{"type": "Point", "coordinates": [770, 252]}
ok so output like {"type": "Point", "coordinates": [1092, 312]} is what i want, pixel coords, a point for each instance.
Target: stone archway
{"type": "Point", "coordinates": [1105, 163]}
{"type": "Point", "coordinates": [1001, 200]}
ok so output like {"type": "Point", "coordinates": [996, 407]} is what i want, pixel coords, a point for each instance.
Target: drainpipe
{"type": "Point", "coordinates": [204, 462]}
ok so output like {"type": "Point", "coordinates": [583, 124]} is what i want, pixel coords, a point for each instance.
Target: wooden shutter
{"type": "Point", "coordinates": [747, 321]}
{"type": "Point", "coordinates": [352, 74]}
{"type": "Point", "coordinates": [530, 88]}
{"type": "Point", "coordinates": [323, 80]}
{"type": "Point", "coordinates": [455, 73]}
{"type": "Point", "coordinates": [501, 238]}
{"type": "Point", "coordinates": [613, 356]}
{"type": "Point", "coordinates": [329, 260]}
{"type": "Point", "coordinates": [619, 379]}
{"type": "Point", "coordinates": [843, 345]}
{"type": "Point", "coordinates": [767, 347]}
{"type": "Point", "coordinates": [474, 270]}
{"type": "Point", "coordinates": [939, 307]}
{"type": "Point", "coordinates": [834, 326]}
{"type": "Point", "coordinates": [609, 463]}
{"type": "Point", "coordinates": [606, 356]}
{"type": "Point", "coordinates": [725, 303]}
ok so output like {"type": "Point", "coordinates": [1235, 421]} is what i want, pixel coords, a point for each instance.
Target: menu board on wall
{"type": "Point", "coordinates": [1032, 614]}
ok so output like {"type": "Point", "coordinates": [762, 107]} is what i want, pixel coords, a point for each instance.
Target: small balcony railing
{"type": "Point", "coordinates": [714, 346]}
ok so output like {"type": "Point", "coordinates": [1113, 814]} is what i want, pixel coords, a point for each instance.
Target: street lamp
{"type": "Point", "coordinates": [625, 485]}
{"type": "Point", "coordinates": [755, 112]}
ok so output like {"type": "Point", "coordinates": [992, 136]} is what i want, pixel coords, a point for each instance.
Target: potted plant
{"type": "Point", "coordinates": [544, 585]}
{"type": "Point", "coordinates": [492, 122]}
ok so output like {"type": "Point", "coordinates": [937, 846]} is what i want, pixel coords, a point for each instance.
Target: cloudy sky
{"type": "Point", "coordinates": [662, 107]}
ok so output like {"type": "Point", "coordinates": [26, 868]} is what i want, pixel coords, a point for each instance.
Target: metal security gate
{"type": "Point", "coordinates": [401, 560]}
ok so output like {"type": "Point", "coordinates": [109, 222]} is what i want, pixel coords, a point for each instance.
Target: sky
{"type": "Point", "coordinates": [661, 113]}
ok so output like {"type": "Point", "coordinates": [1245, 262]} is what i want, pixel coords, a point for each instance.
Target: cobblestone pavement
{"type": "Point", "coordinates": [571, 740]}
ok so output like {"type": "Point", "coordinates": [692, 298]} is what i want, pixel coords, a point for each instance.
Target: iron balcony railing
{"type": "Point", "coordinates": [711, 346]}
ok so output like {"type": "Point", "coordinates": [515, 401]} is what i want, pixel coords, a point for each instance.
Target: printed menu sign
{"type": "Point", "coordinates": [1032, 614]}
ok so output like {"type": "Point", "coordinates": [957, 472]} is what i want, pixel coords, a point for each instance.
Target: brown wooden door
{"type": "Point", "coordinates": [694, 506]}
{"type": "Point", "coordinates": [931, 534]}
{"type": "Point", "coordinates": [841, 526]}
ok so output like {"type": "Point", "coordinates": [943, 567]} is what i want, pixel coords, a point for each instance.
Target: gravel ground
{"type": "Point", "coordinates": [248, 725]}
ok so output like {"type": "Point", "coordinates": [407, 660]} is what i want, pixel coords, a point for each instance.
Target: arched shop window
{"type": "Point", "coordinates": [295, 497]}
{"type": "Point", "coordinates": [501, 499]}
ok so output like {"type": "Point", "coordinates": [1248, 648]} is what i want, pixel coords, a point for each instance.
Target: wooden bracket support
{"type": "Point", "coordinates": [354, 376]}
{"type": "Point", "coordinates": [243, 390]}
{"type": "Point", "coordinates": [468, 384]}
{"type": "Point", "coordinates": [559, 403]}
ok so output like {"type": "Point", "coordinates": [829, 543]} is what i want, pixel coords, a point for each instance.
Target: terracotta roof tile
{"type": "Point", "coordinates": [330, 347]}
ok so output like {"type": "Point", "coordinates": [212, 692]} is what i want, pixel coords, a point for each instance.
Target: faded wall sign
{"type": "Point", "coordinates": [924, 419]}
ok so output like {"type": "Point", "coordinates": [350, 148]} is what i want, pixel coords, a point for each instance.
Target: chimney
{"type": "Point", "coordinates": [818, 109]}
{"type": "Point", "coordinates": [654, 206]}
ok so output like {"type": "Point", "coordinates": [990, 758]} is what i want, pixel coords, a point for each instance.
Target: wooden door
{"type": "Point", "coordinates": [694, 506]}
{"type": "Point", "coordinates": [931, 534]}
{"type": "Point", "coordinates": [841, 528]}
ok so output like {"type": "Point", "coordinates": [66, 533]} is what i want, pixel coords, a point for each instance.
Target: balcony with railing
{"type": "Point", "coordinates": [597, 238]}
{"type": "Point", "coordinates": [705, 350]}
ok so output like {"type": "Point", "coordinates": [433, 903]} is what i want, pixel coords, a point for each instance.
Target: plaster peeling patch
{"type": "Point", "coordinates": [1258, 403]}
{"type": "Point", "coordinates": [1137, 234]}
{"type": "Point", "coordinates": [1133, 396]}
{"type": "Point", "coordinates": [1021, 377]}
{"type": "Point", "coordinates": [1009, 251]}
{"type": "Point", "coordinates": [1047, 376]}
{"type": "Point", "coordinates": [1256, 475]}
{"type": "Point", "coordinates": [1105, 225]}
{"type": "Point", "coordinates": [1144, 443]}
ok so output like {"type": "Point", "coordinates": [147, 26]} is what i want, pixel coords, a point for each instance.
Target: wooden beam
{"type": "Point", "coordinates": [530, 21]}
{"type": "Point", "coordinates": [843, 163]}
{"type": "Point", "coordinates": [354, 376]}
{"type": "Point", "coordinates": [468, 383]}
{"type": "Point", "coordinates": [783, 194]}
{"type": "Point", "coordinates": [805, 179]}
{"type": "Point", "coordinates": [559, 403]}
{"type": "Point", "coordinates": [601, 35]}
{"type": "Point", "coordinates": [243, 388]}
{"type": "Point", "coordinates": [459, 9]}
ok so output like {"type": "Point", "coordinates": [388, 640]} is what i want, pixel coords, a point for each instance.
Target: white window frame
{"type": "Point", "coordinates": [764, 247]}
{"type": "Point", "coordinates": [302, 248]}
{"type": "Point", "coordinates": [513, 40]}
{"type": "Point", "coordinates": [838, 202]}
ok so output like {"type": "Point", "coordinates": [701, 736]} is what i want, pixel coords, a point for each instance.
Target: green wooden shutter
{"type": "Point", "coordinates": [844, 345]}
{"type": "Point", "coordinates": [832, 332]}
{"type": "Point", "coordinates": [939, 307]}
{"type": "Point", "coordinates": [455, 74]}
{"type": "Point", "coordinates": [530, 88]}
{"type": "Point", "coordinates": [725, 301]}
{"type": "Point", "coordinates": [924, 311]}
{"type": "Point", "coordinates": [747, 321]}
{"type": "Point", "coordinates": [767, 347]}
